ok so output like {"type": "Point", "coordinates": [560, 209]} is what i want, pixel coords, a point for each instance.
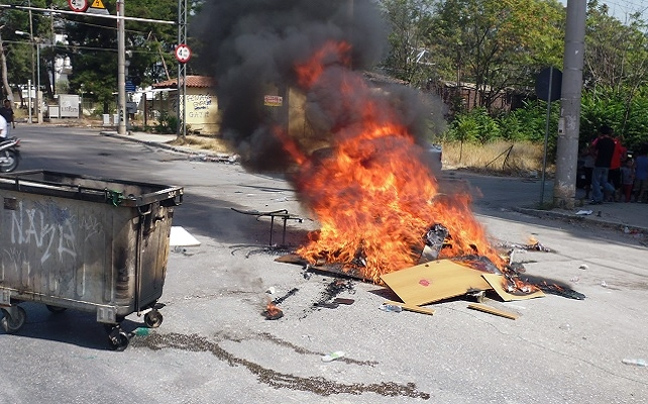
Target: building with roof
{"type": "Point", "coordinates": [201, 104]}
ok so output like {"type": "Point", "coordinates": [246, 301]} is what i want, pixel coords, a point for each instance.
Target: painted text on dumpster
{"type": "Point", "coordinates": [32, 226]}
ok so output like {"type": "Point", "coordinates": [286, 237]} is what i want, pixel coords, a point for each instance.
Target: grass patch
{"type": "Point", "coordinates": [499, 157]}
{"type": "Point", "coordinates": [210, 143]}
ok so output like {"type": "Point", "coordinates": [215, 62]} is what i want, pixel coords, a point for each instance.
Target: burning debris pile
{"type": "Point", "coordinates": [351, 150]}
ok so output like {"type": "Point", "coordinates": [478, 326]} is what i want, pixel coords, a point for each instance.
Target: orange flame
{"type": "Point", "coordinates": [373, 194]}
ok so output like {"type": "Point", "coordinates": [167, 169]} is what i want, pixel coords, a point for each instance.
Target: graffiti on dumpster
{"type": "Point", "coordinates": [31, 227]}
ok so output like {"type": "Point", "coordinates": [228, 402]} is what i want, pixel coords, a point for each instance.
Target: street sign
{"type": "Point", "coordinates": [78, 6]}
{"type": "Point", "coordinates": [549, 84]}
{"type": "Point", "coordinates": [131, 107]}
{"type": "Point", "coordinates": [182, 53]}
{"type": "Point", "coordinates": [130, 86]}
{"type": "Point", "coordinates": [97, 7]}
{"type": "Point", "coordinates": [273, 101]}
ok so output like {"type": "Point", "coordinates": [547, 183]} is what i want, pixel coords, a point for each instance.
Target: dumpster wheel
{"type": "Point", "coordinates": [118, 338]}
{"type": "Point", "coordinates": [153, 319]}
{"type": "Point", "coordinates": [13, 322]}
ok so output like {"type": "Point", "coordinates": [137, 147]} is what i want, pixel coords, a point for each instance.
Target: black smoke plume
{"type": "Point", "coordinates": [252, 48]}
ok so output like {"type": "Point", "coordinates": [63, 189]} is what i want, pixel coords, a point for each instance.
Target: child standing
{"type": "Point", "coordinates": [627, 179]}
{"type": "Point", "coordinates": [641, 174]}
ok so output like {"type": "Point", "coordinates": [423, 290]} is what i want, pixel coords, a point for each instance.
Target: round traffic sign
{"type": "Point", "coordinates": [79, 6]}
{"type": "Point", "coordinates": [182, 53]}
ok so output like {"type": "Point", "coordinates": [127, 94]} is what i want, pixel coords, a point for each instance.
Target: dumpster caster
{"type": "Point", "coordinates": [153, 319]}
{"type": "Point", "coordinates": [118, 339]}
{"type": "Point", "coordinates": [55, 309]}
{"type": "Point", "coordinates": [14, 318]}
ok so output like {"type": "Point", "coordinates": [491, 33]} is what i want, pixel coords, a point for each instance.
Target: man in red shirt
{"type": "Point", "coordinates": [618, 157]}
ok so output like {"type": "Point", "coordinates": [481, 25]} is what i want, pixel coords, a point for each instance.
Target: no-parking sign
{"type": "Point", "coordinates": [79, 6]}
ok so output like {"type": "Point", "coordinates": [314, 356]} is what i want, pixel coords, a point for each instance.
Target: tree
{"type": "Point", "coordinates": [496, 44]}
{"type": "Point", "coordinates": [616, 57]}
{"type": "Point", "coordinates": [616, 53]}
{"type": "Point", "coordinates": [149, 46]}
{"type": "Point", "coordinates": [409, 57]}
{"type": "Point", "coordinates": [19, 50]}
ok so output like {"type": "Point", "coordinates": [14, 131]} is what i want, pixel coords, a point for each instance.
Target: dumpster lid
{"type": "Point", "coordinates": [73, 186]}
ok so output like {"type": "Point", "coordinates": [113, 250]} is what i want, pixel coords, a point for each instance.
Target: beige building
{"type": "Point", "coordinates": [201, 105]}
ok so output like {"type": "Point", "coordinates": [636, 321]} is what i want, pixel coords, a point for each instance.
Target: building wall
{"type": "Point", "coordinates": [201, 107]}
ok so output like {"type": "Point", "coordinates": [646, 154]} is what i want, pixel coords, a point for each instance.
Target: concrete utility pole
{"type": "Point", "coordinates": [121, 68]}
{"type": "Point", "coordinates": [572, 87]}
{"type": "Point", "coordinates": [182, 71]}
{"type": "Point", "coordinates": [31, 38]}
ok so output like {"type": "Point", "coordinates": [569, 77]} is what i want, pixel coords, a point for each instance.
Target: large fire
{"type": "Point", "coordinates": [372, 192]}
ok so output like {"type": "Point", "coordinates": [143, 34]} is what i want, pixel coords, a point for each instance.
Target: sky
{"type": "Point", "coordinates": [621, 9]}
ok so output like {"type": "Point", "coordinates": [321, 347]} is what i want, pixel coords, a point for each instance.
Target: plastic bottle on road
{"type": "Point", "coordinates": [635, 362]}
{"type": "Point", "coordinates": [391, 307]}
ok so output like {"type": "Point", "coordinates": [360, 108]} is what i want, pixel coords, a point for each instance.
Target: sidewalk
{"type": "Point", "coordinates": [164, 142]}
{"type": "Point", "coordinates": [630, 218]}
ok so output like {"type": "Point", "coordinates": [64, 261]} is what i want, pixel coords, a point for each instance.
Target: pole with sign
{"type": "Point", "coordinates": [548, 88]}
{"type": "Point", "coordinates": [79, 6]}
{"type": "Point", "coordinates": [183, 53]}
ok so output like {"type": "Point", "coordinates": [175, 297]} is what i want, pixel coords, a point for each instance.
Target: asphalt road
{"type": "Point", "coordinates": [215, 347]}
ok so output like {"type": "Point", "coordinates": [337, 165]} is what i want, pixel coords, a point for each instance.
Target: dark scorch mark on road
{"type": "Point", "coordinates": [316, 385]}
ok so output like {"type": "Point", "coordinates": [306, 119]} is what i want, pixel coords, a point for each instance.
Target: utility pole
{"type": "Point", "coordinates": [53, 61]}
{"type": "Point", "coordinates": [572, 88]}
{"type": "Point", "coordinates": [182, 70]}
{"type": "Point", "coordinates": [121, 68]}
{"type": "Point", "coordinates": [31, 38]}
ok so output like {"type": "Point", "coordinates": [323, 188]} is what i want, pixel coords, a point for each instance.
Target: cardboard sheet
{"type": "Point", "coordinates": [496, 282]}
{"type": "Point", "coordinates": [434, 281]}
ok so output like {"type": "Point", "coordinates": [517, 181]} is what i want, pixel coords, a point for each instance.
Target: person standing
{"type": "Point", "coordinates": [603, 147]}
{"type": "Point", "coordinates": [627, 179]}
{"type": "Point", "coordinates": [588, 167]}
{"type": "Point", "coordinates": [618, 159]}
{"type": "Point", "coordinates": [641, 174]}
{"type": "Point", "coordinates": [7, 113]}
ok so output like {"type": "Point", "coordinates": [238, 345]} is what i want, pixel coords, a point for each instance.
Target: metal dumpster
{"type": "Point", "coordinates": [90, 244]}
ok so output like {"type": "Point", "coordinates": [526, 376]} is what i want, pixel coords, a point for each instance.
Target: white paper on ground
{"type": "Point", "coordinates": [181, 237]}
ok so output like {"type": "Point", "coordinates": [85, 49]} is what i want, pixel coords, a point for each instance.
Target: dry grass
{"type": "Point", "coordinates": [521, 159]}
{"type": "Point", "coordinates": [211, 143]}
{"type": "Point", "coordinates": [494, 158]}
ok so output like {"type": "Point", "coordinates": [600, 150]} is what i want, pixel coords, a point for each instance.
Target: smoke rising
{"type": "Point", "coordinates": [253, 47]}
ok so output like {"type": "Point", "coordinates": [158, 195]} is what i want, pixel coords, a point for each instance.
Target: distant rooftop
{"type": "Point", "coordinates": [192, 82]}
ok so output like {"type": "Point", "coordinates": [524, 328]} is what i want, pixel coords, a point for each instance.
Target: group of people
{"type": "Point", "coordinates": [7, 121]}
{"type": "Point", "coordinates": [615, 175]}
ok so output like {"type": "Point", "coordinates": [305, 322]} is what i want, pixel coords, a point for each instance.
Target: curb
{"type": "Point", "coordinates": [193, 154]}
{"type": "Point", "coordinates": [625, 228]}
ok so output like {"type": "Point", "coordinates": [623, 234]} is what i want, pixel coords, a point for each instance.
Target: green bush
{"type": "Point", "coordinates": [476, 126]}
{"type": "Point", "coordinates": [167, 124]}
{"type": "Point", "coordinates": [624, 111]}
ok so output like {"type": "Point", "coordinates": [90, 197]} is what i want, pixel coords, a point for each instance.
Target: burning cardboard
{"type": "Point", "coordinates": [508, 290]}
{"type": "Point", "coordinates": [272, 312]}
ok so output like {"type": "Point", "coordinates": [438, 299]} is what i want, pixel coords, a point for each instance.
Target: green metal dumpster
{"type": "Point", "coordinates": [90, 244]}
